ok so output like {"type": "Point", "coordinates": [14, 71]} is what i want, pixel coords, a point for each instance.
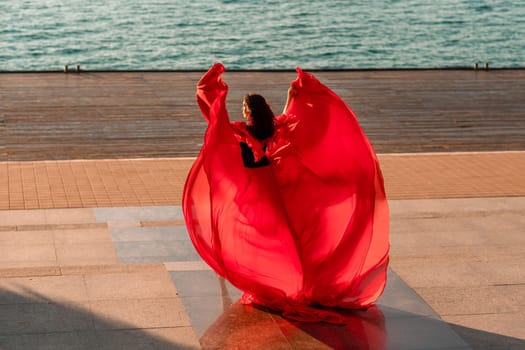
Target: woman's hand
{"type": "Point", "coordinates": [292, 91]}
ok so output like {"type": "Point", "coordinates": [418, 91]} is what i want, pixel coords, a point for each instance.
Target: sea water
{"type": "Point", "coordinates": [266, 34]}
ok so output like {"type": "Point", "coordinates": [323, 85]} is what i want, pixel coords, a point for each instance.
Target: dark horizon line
{"type": "Point", "coordinates": [72, 70]}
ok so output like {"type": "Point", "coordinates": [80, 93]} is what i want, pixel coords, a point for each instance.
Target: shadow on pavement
{"type": "Point", "coordinates": [482, 340]}
{"type": "Point", "coordinates": [32, 321]}
{"type": "Point", "coordinates": [247, 327]}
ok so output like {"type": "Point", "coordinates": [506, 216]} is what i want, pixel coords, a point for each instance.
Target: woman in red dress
{"type": "Point", "coordinates": [292, 209]}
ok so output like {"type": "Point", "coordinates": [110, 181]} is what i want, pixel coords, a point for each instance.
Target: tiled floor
{"type": "Point", "coordinates": [114, 285]}
{"type": "Point", "coordinates": [159, 182]}
{"type": "Point", "coordinates": [127, 277]}
{"type": "Point", "coordinates": [206, 297]}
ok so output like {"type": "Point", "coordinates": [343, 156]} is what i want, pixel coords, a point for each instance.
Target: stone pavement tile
{"type": "Point", "coordinates": [503, 270]}
{"type": "Point", "coordinates": [22, 217]}
{"type": "Point", "coordinates": [176, 338]}
{"type": "Point", "coordinates": [155, 251]}
{"type": "Point", "coordinates": [204, 283]}
{"type": "Point", "coordinates": [204, 295]}
{"type": "Point", "coordinates": [90, 253]}
{"type": "Point", "coordinates": [452, 243]}
{"type": "Point", "coordinates": [464, 257]}
{"type": "Point", "coordinates": [491, 331]}
{"type": "Point", "coordinates": [423, 272]}
{"type": "Point", "coordinates": [36, 237]}
{"type": "Point", "coordinates": [497, 252]}
{"type": "Point", "coordinates": [502, 299]}
{"type": "Point", "coordinates": [57, 247]}
{"type": "Point", "coordinates": [46, 219]}
{"type": "Point", "coordinates": [44, 289]}
{"type": "Point", "coordinates": [27, 318]}
{"type": "Point", "coordinates": [149, 233]}
{"type": "Point", "coordinates": [28, 255]}
{"type": "Point", "coordinates": [409, 333]}
{"type": "Point", "coordinates": [147, 339]}
{"type": "Point", "coordinates": [138, 244]}
{"type": "Point", "coordinates": [77, 340]}
{"type": "Point", "coordinates": [111, 269]}
{"type": "Point", "coordinates": [140, 313]}
{"type": "Point", "coordinates": [162, 223]}
{"type": "Point", "coordinates": [425, 207]}
{"type": "Point", "coordinates": [203, 311]}
{"type": "Point", "coordinates": [174, 266]}
{"type": "Point", "coordinates": [506, 227]}
{"type": "Point", "coordinates": [399, 300]}
{"type": "Point", "coordinates": [139, 213]}
{"type": "Point", "coordinates": [139, 285]}
{"type": "Point", "coordinates": [33, 271]}
{"type": "Point", "coordinates": [114, 305]}
{"type": "Point", "coordinates": [474, 228]}
{"type": "Point", "coordinates": [81, 236]}
{"type": "Point", "coordinates": [426, 273]}
{"type": "Point", "coordinates": [123, 224]}
{"type": "Point", "coordinates": [69, 216]}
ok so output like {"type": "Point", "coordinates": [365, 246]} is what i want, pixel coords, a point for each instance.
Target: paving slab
{"type": "Point", "coordinates": [465, 258]}
{"type": "Point", "coordinates": [99, 305]}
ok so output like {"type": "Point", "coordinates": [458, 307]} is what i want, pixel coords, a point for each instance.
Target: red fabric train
{"type": "Point", "coordinates": [308, 230]}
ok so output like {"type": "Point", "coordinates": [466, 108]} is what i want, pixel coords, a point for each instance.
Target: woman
{"type": "Point", "coordinates": [259, 126]}
{"type": "Point", "coordinates": [302, 224]}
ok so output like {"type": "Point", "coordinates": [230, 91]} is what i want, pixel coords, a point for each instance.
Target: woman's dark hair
{"type": "Point", "coordinates": [262, 124]}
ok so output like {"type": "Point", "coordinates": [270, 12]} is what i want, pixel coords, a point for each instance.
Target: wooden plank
{"type": "Point", "coordinates": [154, 114]}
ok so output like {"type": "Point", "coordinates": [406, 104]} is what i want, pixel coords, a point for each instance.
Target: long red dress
{"type": "Point", "coordinates": [310, 229]}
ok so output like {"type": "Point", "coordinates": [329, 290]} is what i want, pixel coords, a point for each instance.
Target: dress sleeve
{"type": "Point", "coordinates": [248, 157]}
{"type": "Point", "coordinates": [253, 151]}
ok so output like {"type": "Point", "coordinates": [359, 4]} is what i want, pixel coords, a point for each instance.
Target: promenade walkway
{"type": "Point", "coordinates": [94, 253]}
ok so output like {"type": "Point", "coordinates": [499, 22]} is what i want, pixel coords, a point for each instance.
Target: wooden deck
{"type": "Point", "coordinates": [51, 116]}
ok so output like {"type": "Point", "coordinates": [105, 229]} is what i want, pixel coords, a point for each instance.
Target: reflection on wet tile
{"type": "Point", "coordinates": [384, 326]}
{"type": "Point", "coordinates": [399, 300]}
{"type": "Point", "coordinates": [363, 329]}
{"type": "Point", "coordinates": [244, 327]}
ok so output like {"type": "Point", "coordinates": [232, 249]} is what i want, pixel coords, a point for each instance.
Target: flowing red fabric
{"type": "Point", "coordinates": [310, 229]}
